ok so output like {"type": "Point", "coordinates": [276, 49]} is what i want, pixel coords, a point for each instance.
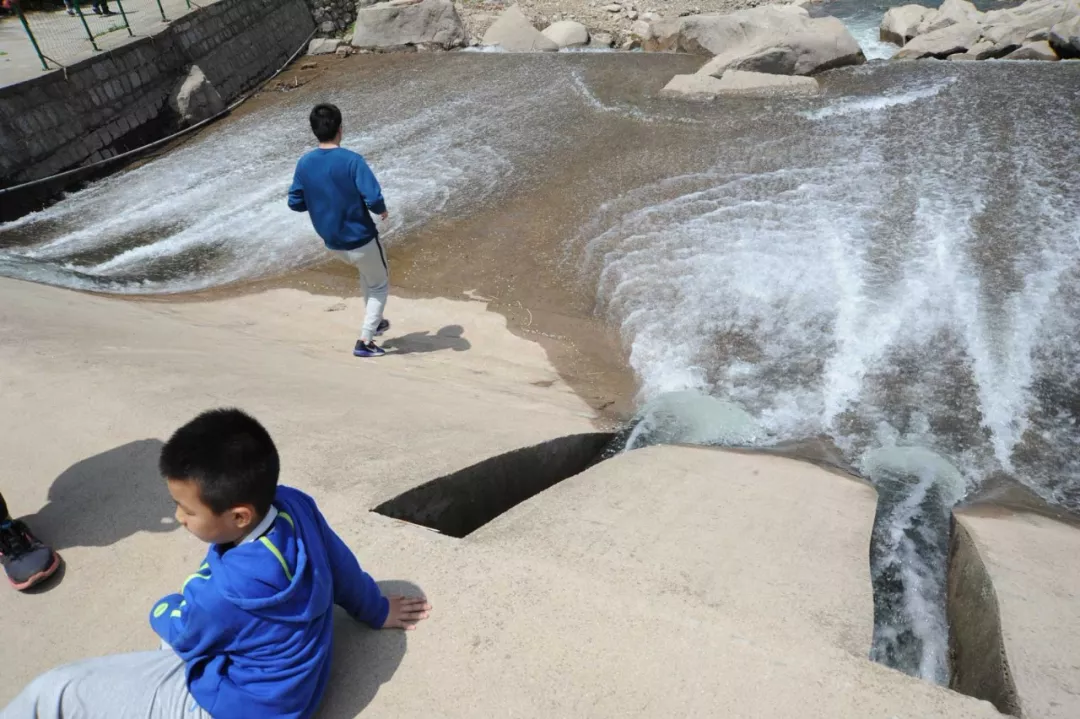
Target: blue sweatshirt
{"type": "Point", "coordinates": [255, 624]}
{"type": "Point", "coordinates": [337, 188]}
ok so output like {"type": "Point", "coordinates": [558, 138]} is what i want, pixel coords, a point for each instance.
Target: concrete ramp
{"type": "Point", "coordinates": [669, 581]}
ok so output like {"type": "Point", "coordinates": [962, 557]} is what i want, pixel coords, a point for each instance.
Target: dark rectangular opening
{"type": "Point", "coordinates": [459, 503]}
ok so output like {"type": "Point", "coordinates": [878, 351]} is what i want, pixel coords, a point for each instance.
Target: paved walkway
{"type": "Point", "coordinates": [63, 38]}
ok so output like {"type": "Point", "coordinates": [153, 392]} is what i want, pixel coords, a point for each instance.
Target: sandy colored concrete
{"type": "Point", "coordinates": [1034, 563]}
{"type": "Point", "coordinates": [666, 582]}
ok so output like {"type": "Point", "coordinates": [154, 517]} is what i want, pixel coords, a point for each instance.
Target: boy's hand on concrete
{"type": "Point", "coordinates": [384, 216]}
{"type": "Point", "coordinates": [406, 612]}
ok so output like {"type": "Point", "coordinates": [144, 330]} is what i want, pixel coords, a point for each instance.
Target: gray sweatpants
{"type": "Point", "coordinates": [370, 260]}
{"type": "Point", "coordinates": [142, 685]}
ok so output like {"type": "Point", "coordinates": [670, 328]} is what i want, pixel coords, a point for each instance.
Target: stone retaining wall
{"type": "Point", "coordinates": [118, 100]}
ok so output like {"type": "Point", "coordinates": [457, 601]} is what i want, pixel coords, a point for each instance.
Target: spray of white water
{"type": "Point", "coordinates": [907, 289]}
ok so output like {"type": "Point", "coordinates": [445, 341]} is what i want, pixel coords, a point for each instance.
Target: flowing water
{"type": "Point", "coordinates": [892, 268]}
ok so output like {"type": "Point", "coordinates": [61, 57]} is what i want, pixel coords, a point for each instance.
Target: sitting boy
{"type": "Point", "coordinates": [250, 633]}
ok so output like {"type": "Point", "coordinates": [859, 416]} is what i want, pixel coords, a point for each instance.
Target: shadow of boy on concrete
{"type": "Point", "coordinates": [450, 337]}
{"type": "Point", "coordinates": [364, 659]}
{"type": "Point", "coordinates": [106, 498]}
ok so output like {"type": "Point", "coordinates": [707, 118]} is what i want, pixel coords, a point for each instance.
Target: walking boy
{"type": "Point", "coordinates": [249, 634]}
{"type": "Point", "coordinates": [337, 189]}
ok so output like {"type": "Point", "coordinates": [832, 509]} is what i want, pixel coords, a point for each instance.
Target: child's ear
{"type": "Point", "coordinates": [243, 516]}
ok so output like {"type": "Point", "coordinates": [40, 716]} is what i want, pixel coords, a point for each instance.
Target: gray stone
{"type": "Point", "coordinates": [951, 12]}
{"type": "Point", "coordinates": [602, 40]}
{"type": "Point", "coordinates": [692, 87]}
{"type": "Point", "coordinates": [430, 22]}
{"type": "Point", "coordinates": [323, 46]}
{"type": "Point", "coordinates": [1033, 51]}
{"type": "Point", "coordinates": [738, 82]}
{"type": "Point", "coordinates": [513, 32]}
{"type": "Point", "coordinates": [631, 14]}
{"type": "Point", "coordinates": [824, 43]}
{"type": "Point", "coordinates": [985, 50]}
{"type": "Point", "coordinates": [900, 24]}
{"type": "Point", "coordinates": [613, 8]}
{"type": "Point", "coordinates": [641, 29]}
{"type": "Point", "coordinates": [567, 33]}
{"type": "Point", "coordinates": [941, 43]}
{"type": "Point", "coordinates": [1064, 37]}
{"type": "Point", "coordinates": [196, 99]}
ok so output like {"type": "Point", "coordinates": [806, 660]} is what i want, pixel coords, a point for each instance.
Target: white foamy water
{"type": "Point", "coordinates": [901, 276]}
{"type": "Point", "coordinates": [214, 211]}
{"type": "Point", "coordinates": [875, 103]}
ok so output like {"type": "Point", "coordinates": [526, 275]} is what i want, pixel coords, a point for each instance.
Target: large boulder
{"type": "Point", "coordinates": [195, 99]}
{"type": "Point", "coordinates": [781, 39]}
{"type": "Point", "coordinates": [714, 34]}
{"type": "Point", "coordinates": [951, 12]}
{"type": "Point", "coordinates": [738, 82]}
{"type": "Point", "coordinates": [1011, 28]}
{"type": "Point", "coordinates": [567, 33]}
{"type": "Point", "coordinates": [1065, 38]}
{"type": "Point", "coordinates": [387, 26]}
{"type": "Point", "coordinates": [1033, 51]}
{"type": "Point", "coordinates": [823, 44]}
{"type": "Point", "coordinates": [513, 32]}
{"type": "Point", "coordinates": [941, 43]}
{"type": "Point", "coordinates": [900, 24]}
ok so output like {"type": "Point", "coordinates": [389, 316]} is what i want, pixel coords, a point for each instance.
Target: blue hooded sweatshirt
{"type": "Point", "coordinates": [255, 624]}
{"type": "Point", "coordinates": [338, 190]}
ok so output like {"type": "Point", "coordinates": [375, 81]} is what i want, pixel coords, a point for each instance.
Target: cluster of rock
{"type": "Point", "coordinates": [333, 16]}
{"type": "Point", "coordinates": [764, 50]}
{"type": "Point", "coordinates": [1035, 30]}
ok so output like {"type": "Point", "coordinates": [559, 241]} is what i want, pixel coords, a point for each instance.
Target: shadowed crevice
{"type": "Point", "coordinates": [459, 503]}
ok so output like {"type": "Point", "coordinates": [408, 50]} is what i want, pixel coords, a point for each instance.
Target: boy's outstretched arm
{"type": "Point", "coordinates": [296, 195]}
{"type": "Point", "coordinates": [357, 593]}
{"type": "Point", "coordinates": [369, 188]}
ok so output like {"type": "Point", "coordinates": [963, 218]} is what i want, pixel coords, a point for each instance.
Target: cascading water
{"type": "Point", "coordinates": [892, 266]}
{"type": "Point", "coordinates": [901, 276]}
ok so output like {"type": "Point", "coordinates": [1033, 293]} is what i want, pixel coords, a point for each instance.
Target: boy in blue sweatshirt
{"type": "Point", "coordinates": [337, 189]}
{"type": "Point", "coordinates": [250, 632]}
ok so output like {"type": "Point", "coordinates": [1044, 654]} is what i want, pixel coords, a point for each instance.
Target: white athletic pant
{"type": "Point", "coordinates": [370, 260]}
{"type": "Point", "coordinates": [143, 685]}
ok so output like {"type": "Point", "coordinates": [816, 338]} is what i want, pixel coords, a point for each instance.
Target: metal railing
{"type": "Point", "coordinates": [81, 28]}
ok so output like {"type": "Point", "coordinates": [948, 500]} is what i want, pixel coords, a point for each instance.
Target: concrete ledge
{"type": "Point", "coordinates": [1033, 562]}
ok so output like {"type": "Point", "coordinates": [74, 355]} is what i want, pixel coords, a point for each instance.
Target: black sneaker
{"type": "Point", "coordinates": [367, 349]}
{"type": "Point", "coordinates": [384, 324]}
{"type": "Point", "coordinates": [26, 560]}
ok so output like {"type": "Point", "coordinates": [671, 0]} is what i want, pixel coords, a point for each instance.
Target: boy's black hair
{"type": "Point", "coordinates": [325, 121]}
{"type": "Point", "coordinates": [229, 455]}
